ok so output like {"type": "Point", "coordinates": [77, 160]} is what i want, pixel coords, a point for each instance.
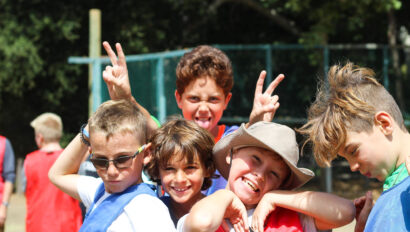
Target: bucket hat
{"type": "Point", "coordinates": [268, 135]}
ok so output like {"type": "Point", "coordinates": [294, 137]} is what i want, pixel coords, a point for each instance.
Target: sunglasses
{"type": "Point", "coordinates": [124, 161]}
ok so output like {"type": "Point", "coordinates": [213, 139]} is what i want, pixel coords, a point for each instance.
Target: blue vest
{"type": "Point", "coordinates": [392, 210]}
{"type": "Point", "coordinates": [109, 209]}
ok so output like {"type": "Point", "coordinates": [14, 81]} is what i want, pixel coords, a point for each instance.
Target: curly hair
{"type": "Point", "coordinates": [349, 103]}
{"type": "Point", "coordinates": [204, 61]}
{"type": "Point", "coordinates": [179, 137]}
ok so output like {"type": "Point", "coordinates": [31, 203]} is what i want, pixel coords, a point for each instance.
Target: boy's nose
{"type": "Point", "coordinates": [203, 106]}
{"type": "Point", "coordinates": [180, 176]}
{"type": "Point", "coordinates": [260, 175]}
{"type": "Point", "coordinates": [111, 169]}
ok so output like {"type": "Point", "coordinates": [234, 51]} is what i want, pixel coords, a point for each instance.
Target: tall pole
{"type": "Point", "coordinates": [94, 51]}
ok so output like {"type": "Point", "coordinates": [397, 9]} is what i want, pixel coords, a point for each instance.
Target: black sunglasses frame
{"type": "Point", "coordinates": [114, 161]}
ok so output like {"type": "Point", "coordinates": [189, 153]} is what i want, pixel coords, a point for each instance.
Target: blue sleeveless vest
{"type": "Point", "coordinates": [392, 210]}
{"type": "Point", "coordinates": [101, 218]}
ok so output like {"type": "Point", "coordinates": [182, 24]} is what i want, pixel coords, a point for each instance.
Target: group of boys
{"type": "Point", "coordinates": [354, 117]}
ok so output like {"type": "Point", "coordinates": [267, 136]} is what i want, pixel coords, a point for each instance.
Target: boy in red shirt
{"type": "Point", "coordinates": [48, 208]}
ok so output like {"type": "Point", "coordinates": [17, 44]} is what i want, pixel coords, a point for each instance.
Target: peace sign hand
{"type": "Point", "coordinates": [264, 104]}
{"type": "Point", "coordinates": [116, 76]}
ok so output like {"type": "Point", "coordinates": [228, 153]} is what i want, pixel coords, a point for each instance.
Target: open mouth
{"type": "Point", "coordinates": [180, 190]}
{"type": "Point", "coordinates": [251, 185]}
{"type": "Point", "coordinates": [203, 122]}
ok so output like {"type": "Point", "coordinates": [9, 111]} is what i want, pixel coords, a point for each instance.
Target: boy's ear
{"type": "Point", "coordinates": [384, 121]}
{"type": "Point", "coordinates": [178, 99]}
{"type": "Point", "coordinates": [227, 99]}
{"type": "Point", "coordinates": [147, 154]}
{"type": "Point", "coordinates": [228, 159]}
{"type": "Point", "coordinates": [39, 138]}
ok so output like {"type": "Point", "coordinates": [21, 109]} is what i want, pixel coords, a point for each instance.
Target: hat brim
{"type": "Point", "coordinates": [242, 138]}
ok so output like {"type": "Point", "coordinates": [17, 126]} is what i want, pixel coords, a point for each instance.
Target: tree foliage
{"type": "Point", "coordinates": [37, 37]}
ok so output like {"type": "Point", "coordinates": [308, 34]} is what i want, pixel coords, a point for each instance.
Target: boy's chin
{"type": "Point", "coordinates": [249, 203]}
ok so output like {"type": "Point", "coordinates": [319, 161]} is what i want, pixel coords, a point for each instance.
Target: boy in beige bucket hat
{"type": "Point", "coordinates": [260, 164]}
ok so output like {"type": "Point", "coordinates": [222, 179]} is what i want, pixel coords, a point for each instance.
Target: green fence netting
{"type": "Point", "coordinates": [152, 78]}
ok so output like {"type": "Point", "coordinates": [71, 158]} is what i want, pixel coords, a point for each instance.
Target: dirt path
{"type": "Point", "coordinates": [16, 214]}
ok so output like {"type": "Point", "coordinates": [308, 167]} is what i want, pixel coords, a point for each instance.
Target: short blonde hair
{"type": "Point", "coordinates": [118, 117]}
{"type": "Point", "coordinates": [349, 103]}
{"type": "Point", "coordinates": [49, 125]}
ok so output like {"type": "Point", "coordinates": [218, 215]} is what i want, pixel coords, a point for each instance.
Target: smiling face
{"type": "Point", "coordinates": [369, 153]}
{"type": "Point", "coordinates": [203, 101]}
{"type": "Point", "coordinates": [182, 180]}
{"type": "Point", "coordinates": [255, 171]}
{"type": "Point", "coordinates": [119, 144]}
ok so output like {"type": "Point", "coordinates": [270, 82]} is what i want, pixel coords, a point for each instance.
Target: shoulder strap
{"type": "Point", "coordinates": [221, 130]}
{"type": "Point", "coordinates": [2, 151]}
{"type": "Point", "coordinates": [110, 208]}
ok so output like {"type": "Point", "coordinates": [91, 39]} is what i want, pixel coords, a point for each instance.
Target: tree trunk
{"type": "Point", "coordinates": [392, 40]}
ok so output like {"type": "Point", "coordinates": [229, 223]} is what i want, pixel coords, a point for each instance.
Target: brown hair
{"type": "Point", "coordinates": [118, 117]}
{"type": "Point", "coordinates": [204, 61]}
{"type": "Point", "coordinates": [180, 137]}
{"type": "Point", "coordinates": [350, 102]}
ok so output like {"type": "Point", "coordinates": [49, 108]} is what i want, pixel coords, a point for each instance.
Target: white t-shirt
{"type": "Point", "coordinates": [307, 222]}
{"type": "Point", "coordinates": [143, 213]}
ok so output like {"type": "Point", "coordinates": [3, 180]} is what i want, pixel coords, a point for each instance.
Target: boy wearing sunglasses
{"type": "Point", "coordinates": [118, 200]}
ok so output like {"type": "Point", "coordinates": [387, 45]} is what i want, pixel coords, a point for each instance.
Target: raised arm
{"type": "Point", "coordinates": [328, 210]}
{"type": "Point", "coordinates": [63, 173]}
{"type": "Point", "coordinates": [264, 104]}
{"type": "Point", "coordinates": [117, 80]}
{"type": "Point", "coordinates": [209, 213]}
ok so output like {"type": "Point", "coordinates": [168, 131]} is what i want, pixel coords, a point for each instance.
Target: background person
{"type": "Point", "coordinates": [7, 177]}
{"type": "Point", "coordinates": [48, 208]}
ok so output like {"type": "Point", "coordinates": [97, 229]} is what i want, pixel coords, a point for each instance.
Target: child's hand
{"type": "Point", "coordinates": [265, 105]}
{"type": "Point", "coordinates": [363, 206]}
{"type": "Point", "coordinates": [236, 214]}
{"type": "Point", "coordinates": [116, 76]}
{"type": "Point", "coordinates": [264, 208]}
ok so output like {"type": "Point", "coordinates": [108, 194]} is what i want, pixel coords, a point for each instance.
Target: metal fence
{"type": "Point", "coordinates": [152, 78]}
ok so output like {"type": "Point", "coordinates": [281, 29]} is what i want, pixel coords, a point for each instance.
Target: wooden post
{"type": "Point", "coordinates": [19, 176]}
{"type": "Point", "coordinates": [94, 51]}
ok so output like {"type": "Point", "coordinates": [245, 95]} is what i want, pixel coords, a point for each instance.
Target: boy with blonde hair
{"type": "Point", "coordinates": [260, 163]}
{"type": "Point", "coordinates": [357, 119]}
{"type": "Point", "coordinates": [118, 200]}
{"type": "Point", "coordinates": [48, 208]}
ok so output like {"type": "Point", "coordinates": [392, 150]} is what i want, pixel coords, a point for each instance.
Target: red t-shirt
{"type": "Point", "coordinates": [48, 208]}
{"type": "Point", "coordinates": [280, 220]}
